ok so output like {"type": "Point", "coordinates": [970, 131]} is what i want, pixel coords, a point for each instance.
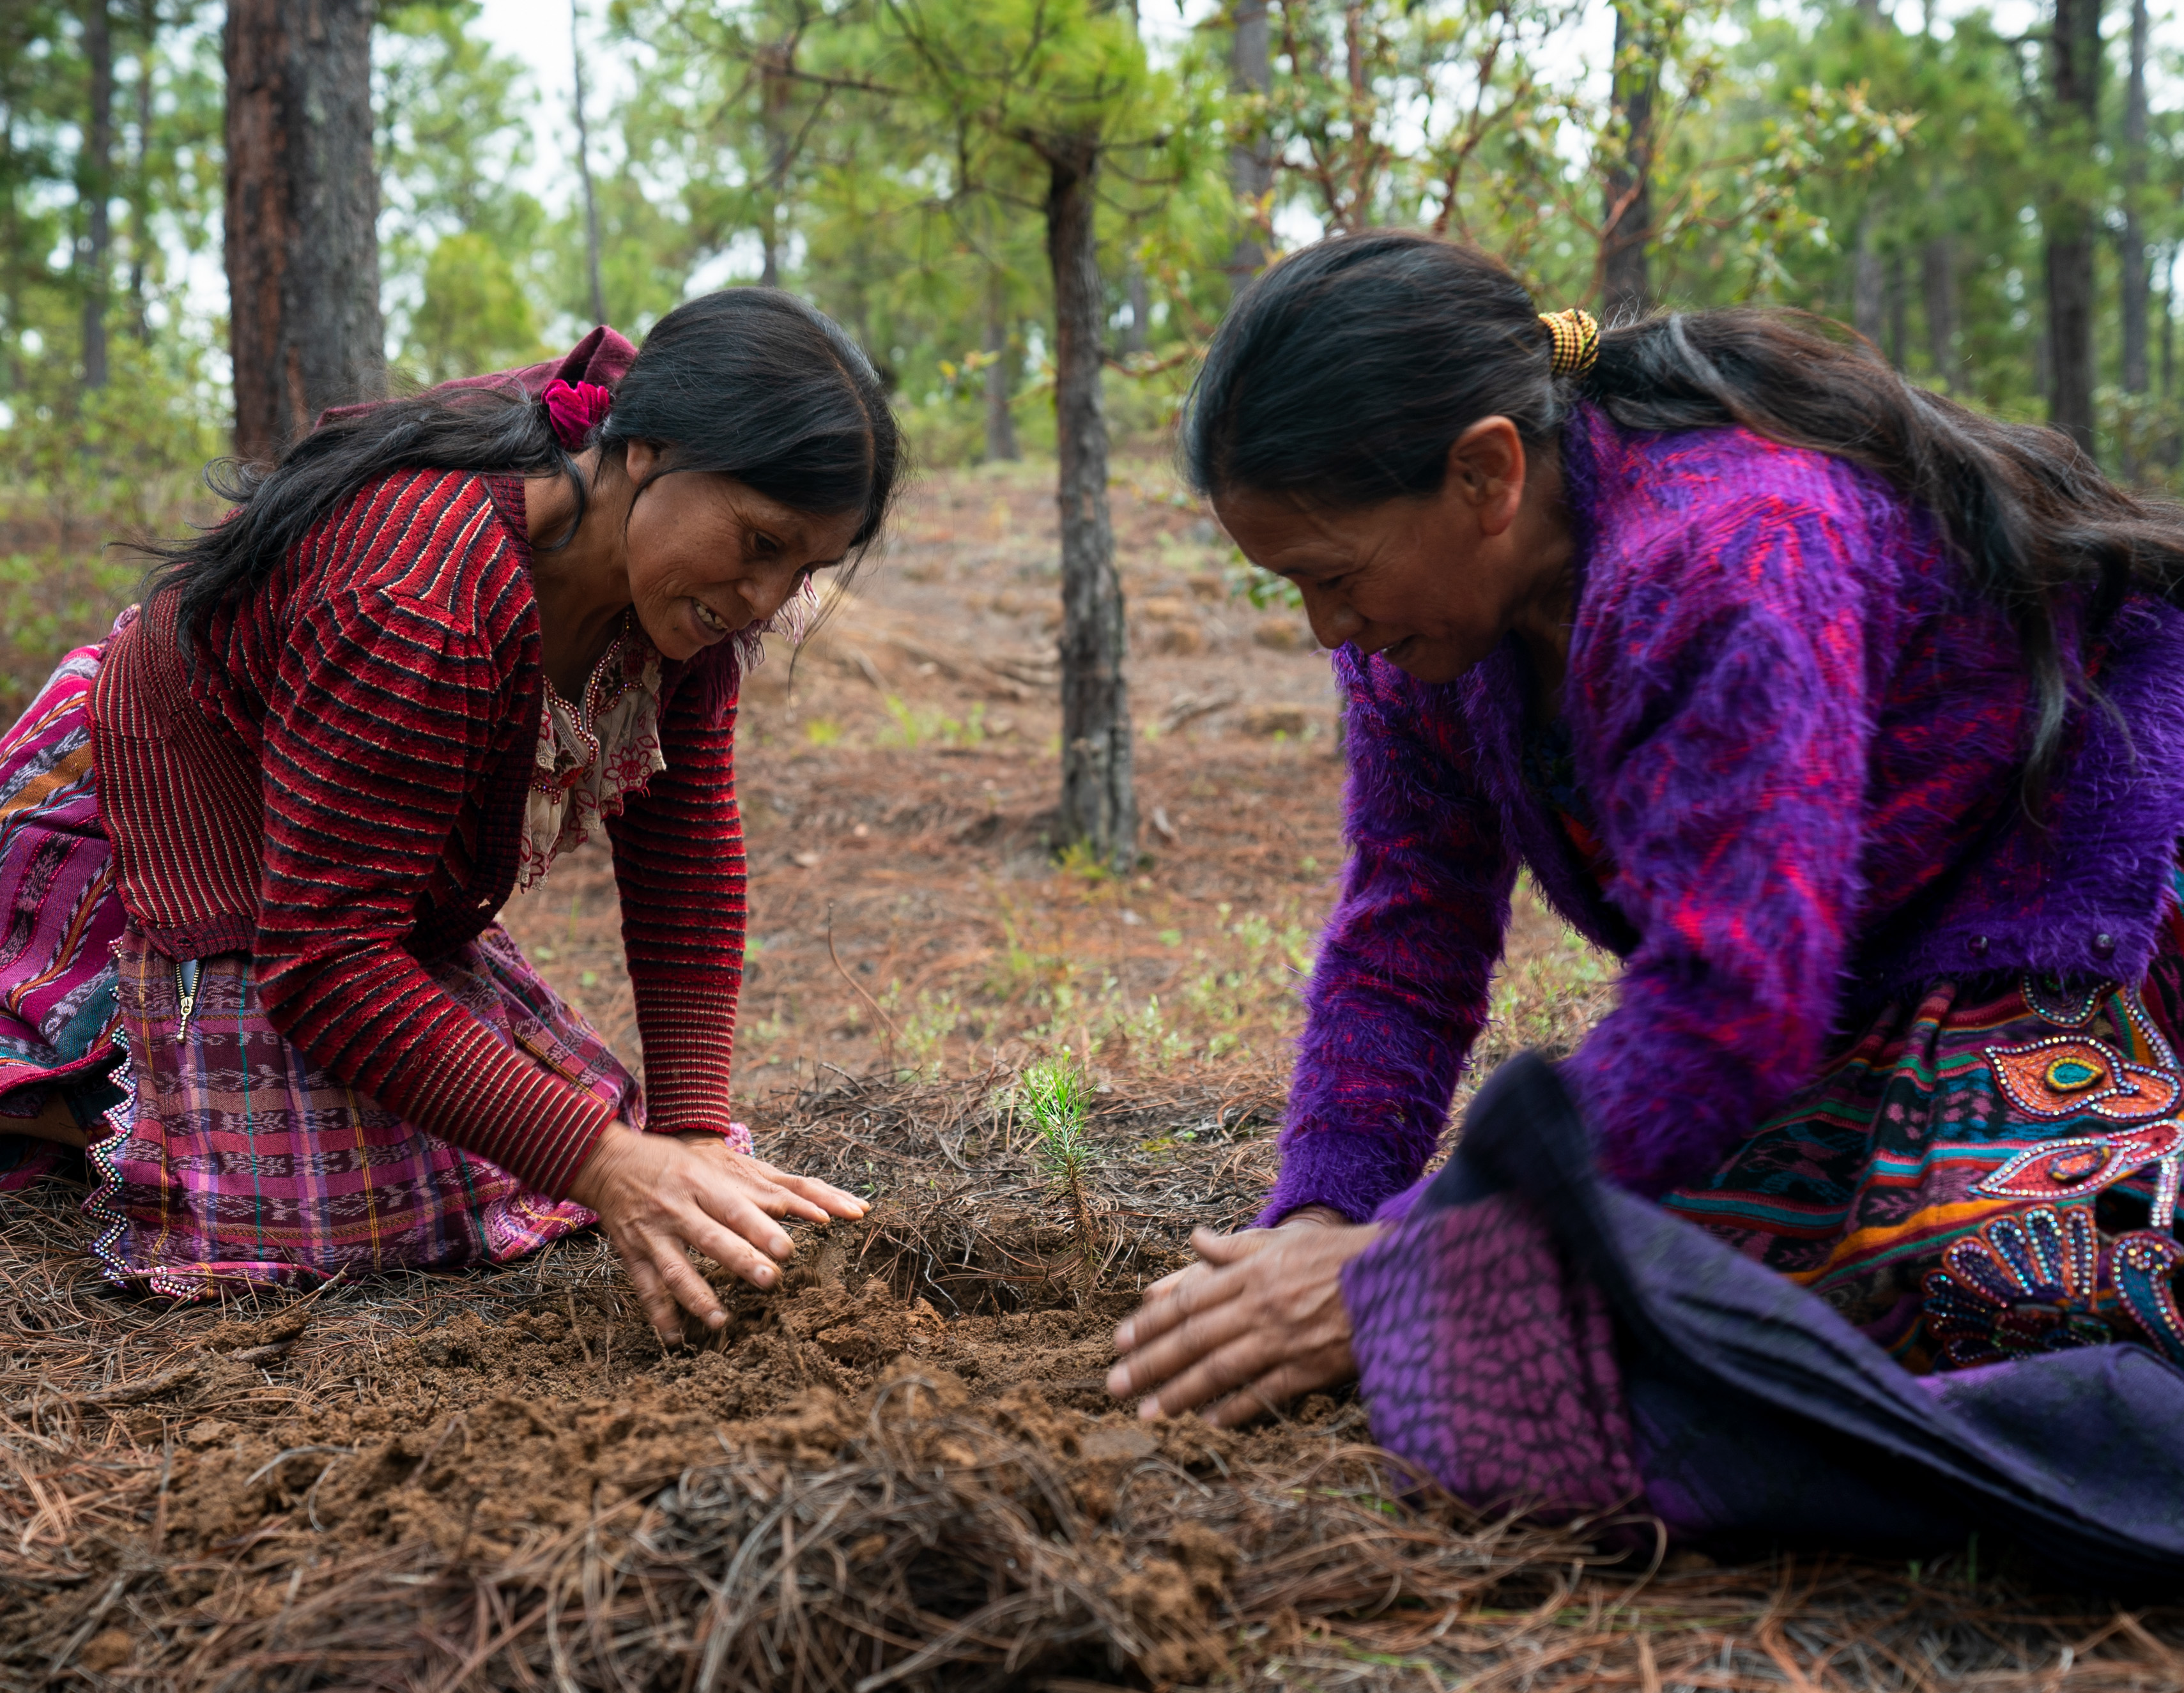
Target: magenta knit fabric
{"type": "Point", "coordinates": [1801, 732]}
{"type": "Point", "coordinates": [1489, 1362]}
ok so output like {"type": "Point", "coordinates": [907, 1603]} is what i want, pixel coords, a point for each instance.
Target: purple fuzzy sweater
{"type": "Point", "coordinates": [1800, 734]}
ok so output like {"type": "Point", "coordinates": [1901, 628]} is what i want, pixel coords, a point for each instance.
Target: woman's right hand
{"type": "Point", "coordinates": [661, 1196]}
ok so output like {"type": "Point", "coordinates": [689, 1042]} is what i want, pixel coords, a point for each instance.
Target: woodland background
{"type": "Point", "coordinates": [1031, 212]}
{"type": "Point", "coordinates": [1996, 201]}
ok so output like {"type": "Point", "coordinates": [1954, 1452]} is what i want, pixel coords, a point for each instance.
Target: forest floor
{"type": "Point", "coordinates": [900, 1470]}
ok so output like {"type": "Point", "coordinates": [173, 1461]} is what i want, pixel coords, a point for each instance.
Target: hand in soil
{"type": "Point", "coordinates": [1257, 1322]}
{"type": "Point", "coordinates": [661, 1196]}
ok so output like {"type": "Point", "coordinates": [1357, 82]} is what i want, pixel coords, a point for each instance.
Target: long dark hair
{"type": "Point", "coordinates": [1344, 373]}
{"type": "Point", "coordinates": [747, 382]}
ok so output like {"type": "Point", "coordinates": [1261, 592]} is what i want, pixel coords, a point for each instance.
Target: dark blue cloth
{"type": "Point", "coordinates": [1762, 1417]}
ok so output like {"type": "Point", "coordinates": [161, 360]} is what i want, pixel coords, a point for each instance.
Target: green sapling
{"type": "Point", "coordinates": [1054, 1091]}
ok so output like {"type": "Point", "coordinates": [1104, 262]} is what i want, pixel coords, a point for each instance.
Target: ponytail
{"type": "Point", "coordinates": [498, 430]}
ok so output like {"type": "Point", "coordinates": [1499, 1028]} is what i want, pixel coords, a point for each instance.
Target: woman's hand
{"type": "Point", "coordinates": [1259, 1321]}
{"type": "Point", "coordinates": [1248, 1240]}
{"type": "Point", "coordinates": [657, 1197]}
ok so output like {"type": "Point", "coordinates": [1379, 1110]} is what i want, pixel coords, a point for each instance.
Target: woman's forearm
{"type": "Point", "coordinates": [1399, 990]}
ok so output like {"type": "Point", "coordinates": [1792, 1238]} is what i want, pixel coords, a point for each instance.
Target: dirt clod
{"type": "Point", "coordinates": [107, 1650]}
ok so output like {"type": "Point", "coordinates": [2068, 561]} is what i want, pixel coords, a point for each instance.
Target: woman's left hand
{"type": "Point", "coordinates": [1258, 1322]}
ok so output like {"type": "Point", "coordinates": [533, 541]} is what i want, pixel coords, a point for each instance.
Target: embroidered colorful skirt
{"type": "Point", "coordinates": [1530, 1336]}
{"type": "Point", "coordinates": [1935, 1295]}
{"type": "Point", "coordinates": [219, 1153]}
{"type": "Point", "coordinates": [1990, 1173]}
{"type": "Point", "coordinates": [59, 1024]}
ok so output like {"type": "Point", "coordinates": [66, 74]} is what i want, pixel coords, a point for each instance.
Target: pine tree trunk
{"type": "Point", "coordinates": [584, 167]}
{"type": "Point", "coordinates": [140, 183]}
{"type": "Point", "coordinates": [1869, 283]}
{"type": "Point", "coordinates": [1138, 294]}
{"type": "Point", "coordinates": [1250, 166]}
{"type": "Point", "coordinates": [1000, 386]}
{"type": "Point", "coordinates": [95, 188]}
{"type": "Point", "coordinates": [11, 255]}
{"type": "Point", "coordinates": [1898, 291]}
{"type": "Point", "coordinates": [774, 91]}
{"type": "Point", "coordinates": [303, 199]}
{"type": "Point", "coordinates": [1627, 212]}
{"type": "Point", "coordinates": [1937, 276]}
{"type": "Point", "coordinates": [2074, 57]}
{"type": "Point", "coordinates": [2172, 437]}
{"type": "Point", "coordinates": [2168, 322]}
{"type": "Point", "coordinates": [1099, 801]}
{"type": "Point", "coordinates": [2135, 284]}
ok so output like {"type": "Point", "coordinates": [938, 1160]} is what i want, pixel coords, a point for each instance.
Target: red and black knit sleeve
{"type": "Point", "coordinates": [678, 851]}
{"type": "Point", "coordinates": [388, 708]}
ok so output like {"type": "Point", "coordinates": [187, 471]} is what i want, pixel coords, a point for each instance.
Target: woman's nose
{"type": "Point", "coordinates": [766, 592]}
{"type": "Point", "coordinates": [1333, 622]}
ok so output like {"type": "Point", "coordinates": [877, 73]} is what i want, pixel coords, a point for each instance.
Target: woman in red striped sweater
{"type": "Point", "coordinates": [253, 846]}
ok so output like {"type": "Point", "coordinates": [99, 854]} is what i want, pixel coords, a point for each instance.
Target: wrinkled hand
{"type": "Point", "coordinates": [1247, 1241]}
{"type": "Point", "coordinates": [1259, 1321]}
{"type": "Point", "coordinates": [661, 1196]}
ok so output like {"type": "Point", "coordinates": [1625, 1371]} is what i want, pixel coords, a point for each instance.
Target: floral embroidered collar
{"type": "Point", "coordinates": [593, 754]}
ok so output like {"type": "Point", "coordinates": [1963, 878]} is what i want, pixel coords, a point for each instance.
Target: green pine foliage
{"type": "Point", "coordinates": [1887, 165]}
{"type": "Point", "coordinates": [1055, 1093]}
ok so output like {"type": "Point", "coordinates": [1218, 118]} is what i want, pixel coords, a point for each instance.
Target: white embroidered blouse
{"type": "Point", "coordinates": [593, 755]}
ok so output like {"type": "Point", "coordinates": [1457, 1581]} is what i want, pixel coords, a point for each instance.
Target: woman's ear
{"type": "Point", "coordinates": [1487, 466]}
{"type": "Point", "coordinates": [641, 459]}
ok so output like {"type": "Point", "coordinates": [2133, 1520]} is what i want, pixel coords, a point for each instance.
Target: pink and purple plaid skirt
{"type": "Point", "coordinates": [219, 1154]}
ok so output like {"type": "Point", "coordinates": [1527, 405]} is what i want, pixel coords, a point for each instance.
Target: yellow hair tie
{"type": "Point", "coordinates": [1577, 341]}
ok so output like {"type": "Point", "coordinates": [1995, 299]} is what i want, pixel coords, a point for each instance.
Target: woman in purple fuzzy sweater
{"type": "Point", "coordinates": [1853, 722]}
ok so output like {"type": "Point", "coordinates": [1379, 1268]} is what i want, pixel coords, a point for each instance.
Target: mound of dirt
{"type": "Point", "coordinates": [842, 1475]}
{"type": "Point", "coordinates": [489, 1430]}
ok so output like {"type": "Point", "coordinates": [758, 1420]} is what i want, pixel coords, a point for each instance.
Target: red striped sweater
{"type": "Point", "coordinates": [380, 692]}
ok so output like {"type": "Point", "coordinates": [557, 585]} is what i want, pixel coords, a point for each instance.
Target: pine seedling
{"type": "Point", "coordinates": [1055, 1092]}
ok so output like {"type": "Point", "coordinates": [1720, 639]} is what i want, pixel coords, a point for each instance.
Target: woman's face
{"type": "Point", "coordinates": [708, 555]}
{"type": "Point", "coordinates": [1432, 584]}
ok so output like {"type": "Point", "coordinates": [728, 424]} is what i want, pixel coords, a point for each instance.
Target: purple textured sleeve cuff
{"type": "Point", "coordinates": [1351, 1173]}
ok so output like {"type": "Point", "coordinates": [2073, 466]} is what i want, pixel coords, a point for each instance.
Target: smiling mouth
{"type": "Point", "coordinates": [710, 620]}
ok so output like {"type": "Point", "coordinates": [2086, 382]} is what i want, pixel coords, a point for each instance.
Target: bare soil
{"type": "Point", "coordinates": [901, 1469]}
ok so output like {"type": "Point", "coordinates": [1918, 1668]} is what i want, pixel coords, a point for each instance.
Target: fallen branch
{"type": "Point", "coordinates": [1188, 708]}
{"type": "Point", "coordinates": [137, 1392]}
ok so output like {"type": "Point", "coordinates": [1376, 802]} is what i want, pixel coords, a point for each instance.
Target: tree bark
{"type": "Point", "coordinates": [1099, 800]}
{"type": "Point", "coordinates": [1250, 166]}
{"type": "Point", "coordinates": [584, 167]}
{"type": "Point", "coordinates": [1001, 420]}
{"type": "Point", "coordinates": [1898, 291]}
{"type": "Point", "coordinates": [2136, 285]}
{"type": "Point", "coordinates": [774, 90]}
{"type": "Point", "coordinates": [1869, 283]}
{"type": "Point", "coordinates": [1138, 294]}
{"type": "Point", "coordinates": [1937, 276]}
{"type": "Point", "coordinates": [302, 201]}
{"type": "Point", "coordinates": [2074, 60]}
{"type": "Point", "coordinates": [95, 188]}
{"type": "Point", "coordinates": [1627, 214]}
{"type": "Point", "coordinates": [11, 255]}
{"type": "Point", "coordinates": [2168, 321]}
{"type": "Point", "coordinates": [140, 184]}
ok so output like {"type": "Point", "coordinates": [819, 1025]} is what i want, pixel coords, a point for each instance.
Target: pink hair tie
{"type": "Point", "coordinates": [574, 410]}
